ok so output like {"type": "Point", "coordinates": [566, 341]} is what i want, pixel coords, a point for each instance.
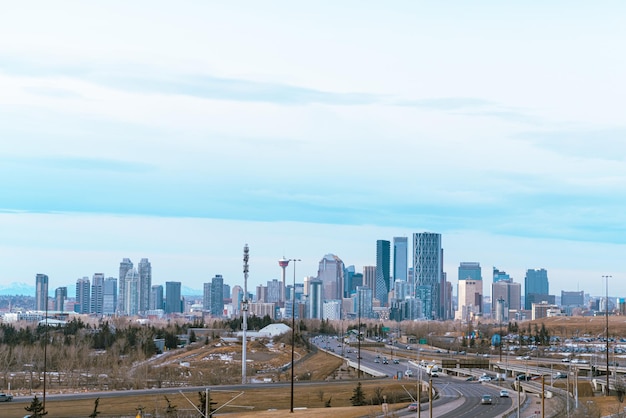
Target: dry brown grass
{"type": "Point", "coordinates": [261, 399]}
{"type": "Point", "coordinates": [568, 326]}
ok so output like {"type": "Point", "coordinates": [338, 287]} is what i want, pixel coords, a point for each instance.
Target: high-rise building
{"type": "Point", "coordinates": [125, 266]}
{"type": "Point", "coordinates": [217, 295]}
{"type": "Point", "coordinates": [428, 272]}
{"type": "Point", "coordinates": [145, 284]}
{"type": "Point", "coordinates": [41, 292]}
{"type": "Point", "coordinates": [401, 290]}
{"type": "Point", "coordinates": [316, 299]}
{"type": "Point", "coordinates": [237, 298]}
{"type": "Point", "coordinates": [83, 296]}
{"type": "Point", "coordinates": [400, 259]}
{"type": "Point", "coordinates": [173, 301]}
{"type": "Point", "coordinates": [383, 279]}
{"type": "Point", "coordinates": [574, 299]}
{"type": "Point", "coordinates": [508, 290]}
{"type": "Point", "coordinates": [273, 291]}
{"type": "Point", "coordinates": [156, 300]}
{"type": "Point", "coordinates": [500, 275]}
{"type": "Point", "coordinates": [364, 306]}
{"type": "Point", "coordinates": [109, 297]}
{"type": "Point", "coordinates": [97, 293]}
{"type": "Point", "coordinates": [332, 310]}
{"type": "Point", "coordinates": [470, 291]}
{"type": "Point", "coordinates": [536, 288]}
{"type": "Point", "coordinates": [330, 272]}
{"type": "Point", "coordinates": [60, 294]}
{"type": "Point", "coordinates": [348, 274]}
{"type": "Point", "coordinates": [131, 293]}
{"type": "Point", "coordinates": [369, 276]}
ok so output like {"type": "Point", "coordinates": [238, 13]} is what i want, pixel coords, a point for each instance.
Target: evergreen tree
{"type": "Point", "coordinates": [36, 408]}
{"type": "Point", "coordinates": [358, 397]}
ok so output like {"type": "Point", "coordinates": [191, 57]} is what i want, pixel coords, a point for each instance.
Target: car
{"type": "Point", "coordinates": [484, 379]}
{"type": "Point", "coordinates": [434, 374]}
{"type": "Point", "coordinates": [385, 361]}
{"type": "Point", "coordinates": [486, 400]}
{"type": "Point", "coordinates": [523, 377]}
{"type": "Point", "coordinates": [560, 375]}
{"type": "Point", "coordinates": [396, 361]}
{"type": "Point", "coordinates": [408, 372]}
{"type": "Point", "coordinates": [376, 360]}
{"type": "Point", "coordinates": [504, 393]}
{"type": "Point", "coordinates": [525, 357]}
{"type": "Point", "coordinates": [5, 398]}
{"type": "Point", "coordinates": [565, 360]}
{"type": "Point", "coordinates": [470, 379]}
{"type": "Point", "coordinates": [413, 406]}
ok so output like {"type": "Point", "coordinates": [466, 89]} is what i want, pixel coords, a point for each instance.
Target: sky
{"type": "Point", "coordinates": [179, 132]}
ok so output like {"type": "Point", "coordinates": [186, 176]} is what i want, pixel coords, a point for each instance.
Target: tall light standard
{"type": "Point", "coordinates": [606, 312]}
{"type": "Point", "coordinates": [244, 308]}
{"type": "Point", "coordinates": [293, 325]}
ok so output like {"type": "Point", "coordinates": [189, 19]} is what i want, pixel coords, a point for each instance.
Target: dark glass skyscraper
{"type": "Point", "coordinates": [428, 272]}
{"type": "Point", "coordinates": [41, 292]}
{"type": "Point", "coordinates": [383, 266]}
{"type": "Point", "coordinates": [173, 301]}
{"type": "Point", "coordinates": [145, 284]}
{"type": "Point", "coordinates": [536, 288]}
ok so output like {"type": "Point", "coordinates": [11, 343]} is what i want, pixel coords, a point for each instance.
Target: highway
{"type": "Point", "coordinates": [457, 397]}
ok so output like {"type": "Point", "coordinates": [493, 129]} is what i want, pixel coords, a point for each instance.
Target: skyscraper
{"type": "Point", "coordinates": [217, 295]}
{"type": "Point", "coordinates": [97, 293]}
{"type": "Point", "coordinates": [509, 291]}
{"type": "Point", "coordinates": [131, 293]}
{"type": "Point", "coordinates": [41, 292]}
{"type": "Point", "coordinates": [383, 279]}
{"type": "Point", "coordinates": [83, 296]}
{"type": "Point", "coordinates": [60, 294]}
{"type": "Point", "coordinates": [131, 304]}
{"type": "Point", "coordinates": [428, 266]}
{"type": "Point", "coordinates": [156, 299]}
{"type": "Point", "coordinates": [330, 272]}
{"type": "Point", "coordinates": [109, 298]}
{"type": "Point", "coordinates": [470, 290]}
{"type": "Point", "coordinates": [273, 291]}
{"type": "Point", "coordinates": [316, 300]}
{"type": "Point", "coordinates": [237, 297]}
{"type": "Point", "coordinates": [145, 284]}
{"type": "Point", "coordinates": [400, 258]}
{"type": "Point", "coordinates": [536, 288]}
{"type": "Point", "coordinates": [125, 266]}
{"type": "Point", "coordinates": [369, 276]}
{"type": "Point", "coordinates": [173, 299]}
{"type": "Point", "coordinates": [364, 302]}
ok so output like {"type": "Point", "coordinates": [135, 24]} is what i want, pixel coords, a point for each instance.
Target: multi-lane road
{"type": "Point", "coordinates": [456, 397]}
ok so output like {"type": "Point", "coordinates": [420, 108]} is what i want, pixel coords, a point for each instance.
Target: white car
{"type": "Point", "coordinates": [484, 379]}
{"type": "Point", "coordinates": [504, 393]}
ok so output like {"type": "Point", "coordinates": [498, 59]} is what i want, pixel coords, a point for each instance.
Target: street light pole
{"type": "Point", "coordinates": [606, 311]}
{"type": "Point", "coordinates": [293, 326]}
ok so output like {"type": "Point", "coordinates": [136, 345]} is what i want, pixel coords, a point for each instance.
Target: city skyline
{"type": "Point", "coordinates": [182, 133]}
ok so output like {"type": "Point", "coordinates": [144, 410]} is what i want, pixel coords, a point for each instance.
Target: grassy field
{"type": "Point", "coordinates": [258, 402]}
{"type": "Point", "coordinates": [336, 391]}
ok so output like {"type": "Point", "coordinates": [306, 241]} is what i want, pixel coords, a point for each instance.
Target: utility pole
{"type": "Point", "coordinates": [244, 308]}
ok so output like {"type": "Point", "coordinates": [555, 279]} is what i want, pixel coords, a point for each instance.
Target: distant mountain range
{"type": "Point", "coordinates": [24, 289]}
{"type": "Point", "coordinates": [17, 289]}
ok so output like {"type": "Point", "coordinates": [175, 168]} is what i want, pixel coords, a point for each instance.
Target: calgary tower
{"type": "Point", "coordinates": [283, 263]}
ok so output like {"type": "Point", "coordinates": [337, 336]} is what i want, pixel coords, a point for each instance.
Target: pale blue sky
{"type": "Point", "coordinates": [181, 132]}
